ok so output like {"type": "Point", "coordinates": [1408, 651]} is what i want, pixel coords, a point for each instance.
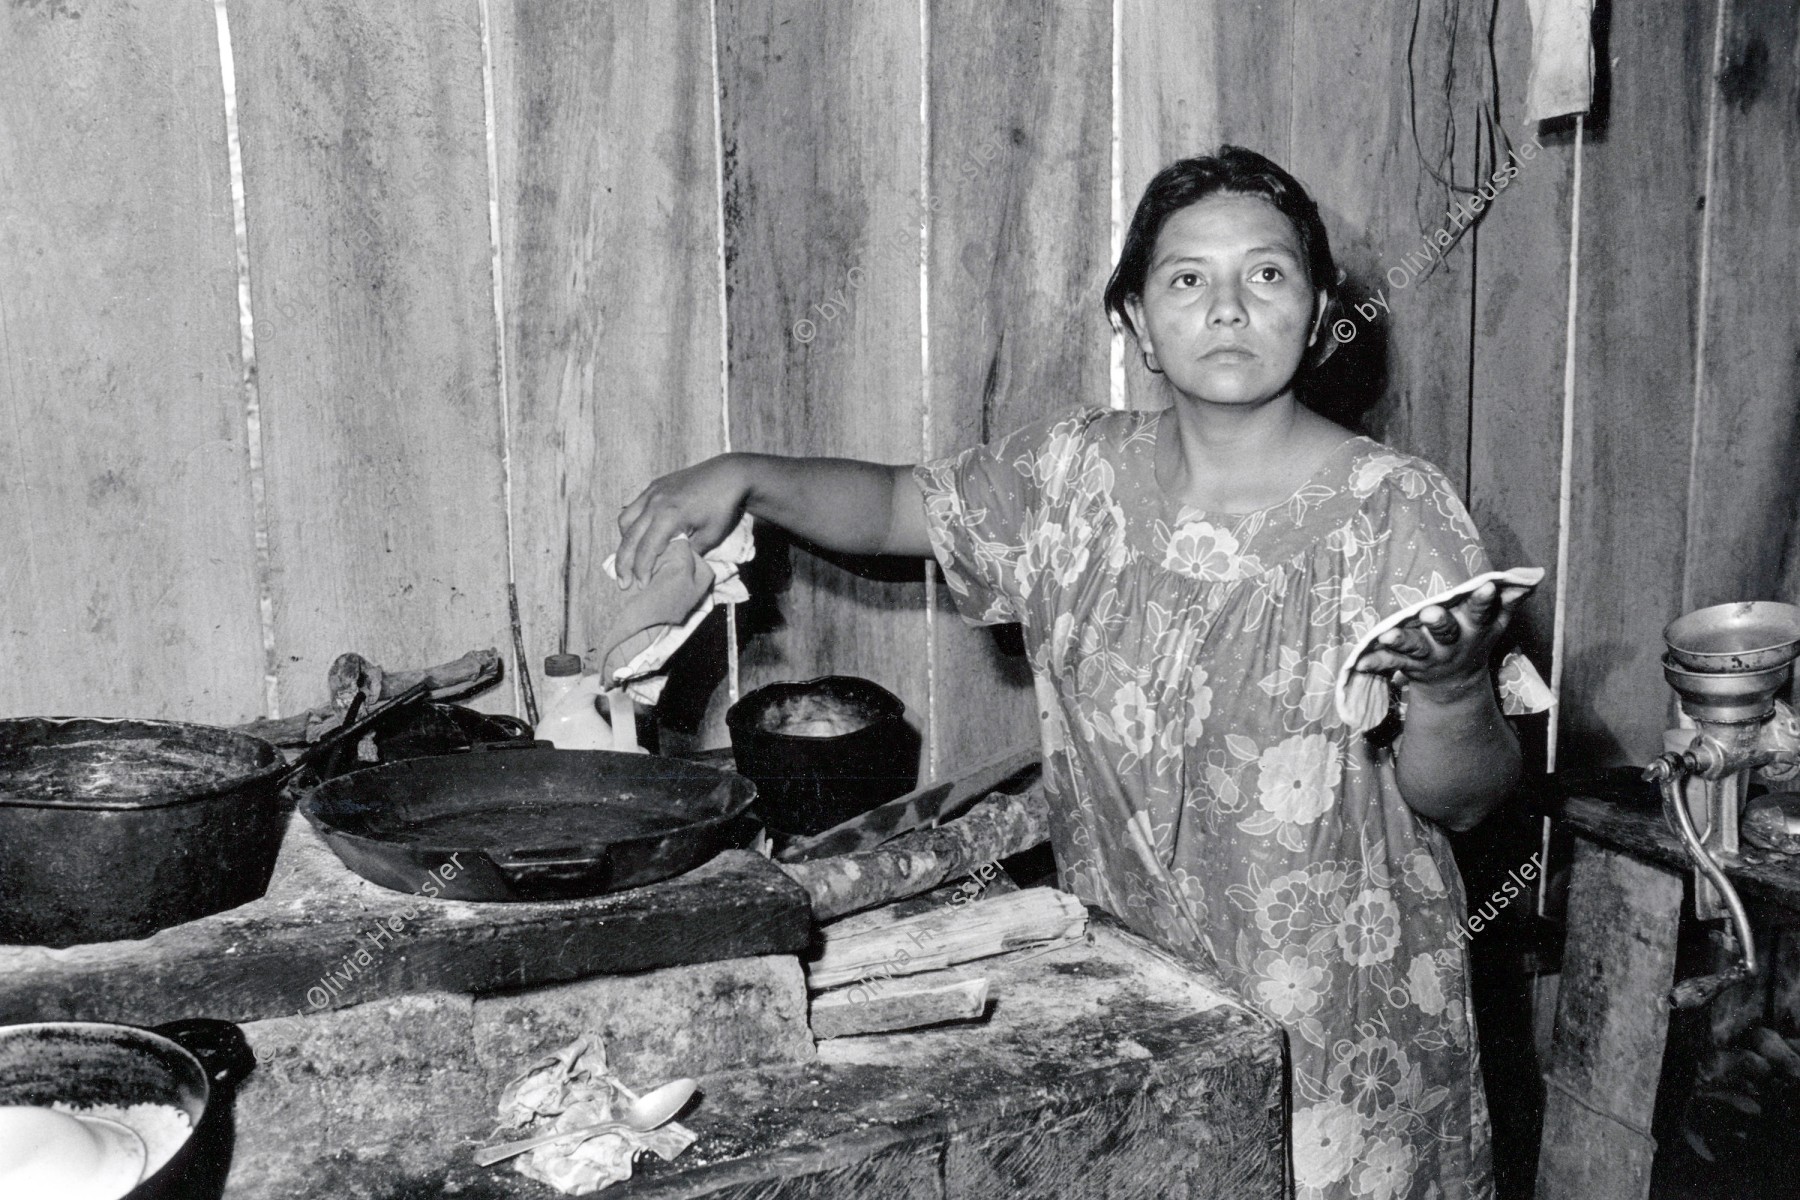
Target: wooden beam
{"type": "Point", "coordinates": [1761, 878]}
{"type": "Point", "coordinates": [819, 111]}
{"type": "Point", "coordinates": [1516, 371]}
{"type": "Point", "coordinates": [1019, 128]}
{"type": "Point", "coordinates": [1612, 1021]}
{"type": "Point", "coordinates": [1747, 427]}
{"type": "Point", "coordinates": [1634, 405]}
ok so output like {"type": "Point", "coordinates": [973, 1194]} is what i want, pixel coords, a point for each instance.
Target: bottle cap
{"type": "Point", "coordinates": [557, 665]}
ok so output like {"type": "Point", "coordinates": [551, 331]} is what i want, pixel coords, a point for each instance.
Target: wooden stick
{"type": "Point", "coordinates": [996, 828]}
{"type": "Point", "coordinates": [946, 936]}
{"type": "Point", "coordinates": [886, 1007]}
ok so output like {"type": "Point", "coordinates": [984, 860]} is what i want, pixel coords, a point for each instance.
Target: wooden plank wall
{"type": "Point", "coordinates": [608, 170]}
{"type": "Point", "coordinates": [1018, 215]}
{"type": "Point", "coordinates": [1520, 322]}
{"type": "Point", "coordinates": [1745, 485]}
{"type": "Point", "coordinates": [1682, 489]}
{"type": "Point", "coordinates": [365, 178]}
{"type": "Point", "coordinates": [127, 566]}
{"type": "Point", "coordinates": [822, 252]}
{"type": "Point", "coordinates": [928, 184]}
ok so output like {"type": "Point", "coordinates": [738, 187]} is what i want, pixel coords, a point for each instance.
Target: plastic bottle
{"type": "Point", "coordinates": [570, 719]}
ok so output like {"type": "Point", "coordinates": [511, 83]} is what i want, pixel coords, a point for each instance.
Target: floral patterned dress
{"type": "Point", "coordinates": [1202, 786]}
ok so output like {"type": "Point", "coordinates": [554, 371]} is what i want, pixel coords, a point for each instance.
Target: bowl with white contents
{"type": "Point", "coordinates": [821, 751]}
{"type": "Point", "coordinates": [95, 1111]}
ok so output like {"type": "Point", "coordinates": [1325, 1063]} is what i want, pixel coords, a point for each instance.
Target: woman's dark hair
{"type": "Point", "coordinates": [1238, 172]}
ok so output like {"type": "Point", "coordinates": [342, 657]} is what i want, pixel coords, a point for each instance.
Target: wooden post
{"type": "Point", "coordinates": [1612, 1020]}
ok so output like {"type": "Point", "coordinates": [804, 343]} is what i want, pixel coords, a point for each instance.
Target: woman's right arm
{"type": "Point", "coordinates": [841, 504]}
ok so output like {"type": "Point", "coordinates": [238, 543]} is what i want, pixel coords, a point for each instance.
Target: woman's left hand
{"type": "Point", "coordinates": [1445, 651]}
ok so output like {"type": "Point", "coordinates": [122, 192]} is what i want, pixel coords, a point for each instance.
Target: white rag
{"type": "Point", "coordinates": [1562, 59]}
{"type": "Point", "coordinates": [642, 677]}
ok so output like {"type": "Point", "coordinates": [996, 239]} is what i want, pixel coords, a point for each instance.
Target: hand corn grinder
{"type": "Point", "coordinates": [1727, 664]}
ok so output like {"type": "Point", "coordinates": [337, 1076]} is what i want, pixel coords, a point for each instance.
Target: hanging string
{"type": "Point", "coordinates": [1441, 167]}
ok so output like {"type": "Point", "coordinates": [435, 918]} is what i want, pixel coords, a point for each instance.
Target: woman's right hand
{"type": "Point", "coordinates": [703, 501]}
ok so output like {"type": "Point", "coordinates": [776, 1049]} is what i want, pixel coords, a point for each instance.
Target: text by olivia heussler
{"type": "Point", "coordinates": [1508, 891]}
{"type": "Point", "coordinates": [381, 935]}
{"type": "Point", "coordinates": [1422, 260]}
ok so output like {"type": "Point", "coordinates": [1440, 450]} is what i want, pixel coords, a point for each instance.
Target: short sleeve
{"type": "Point", "coordinates": [979, 505]}
{"type": "Point", "coordinates": [1431, 545]}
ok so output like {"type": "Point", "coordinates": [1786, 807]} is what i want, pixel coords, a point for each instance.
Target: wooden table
{"type": "Point", "coordinates": [1612, 1016]}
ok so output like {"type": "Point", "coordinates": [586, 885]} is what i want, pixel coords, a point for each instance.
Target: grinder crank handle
{"type": "Point", "coordinates": [1692, 993]}
{"type": "Point", "coordinates": [1667, 771]}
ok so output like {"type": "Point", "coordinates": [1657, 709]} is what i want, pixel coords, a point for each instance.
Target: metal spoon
{"type": "Point", "coordinates": [645, 1113]}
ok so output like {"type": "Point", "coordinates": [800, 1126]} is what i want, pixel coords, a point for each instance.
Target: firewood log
{"type": "Point", "coordinates": [996, 828]}
{"type": "Point", "coordinates": [946, 936]}
{"type": "Point", "coordinates": [886, 1007]}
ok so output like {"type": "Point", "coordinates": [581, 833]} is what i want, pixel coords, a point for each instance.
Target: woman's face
{"type": "Point", "coordinates": [1227, 311]}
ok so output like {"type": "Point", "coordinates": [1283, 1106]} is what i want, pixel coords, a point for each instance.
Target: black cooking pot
{"type": "Point", "coordinates": [192, 1065]}
{"type": "Point", "coordinates": [808, 780]}
{"type": "Point", "coordinates": [117, 828]}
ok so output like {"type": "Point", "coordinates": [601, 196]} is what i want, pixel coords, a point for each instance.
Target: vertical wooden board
{"type": "Point", "coordinates": [1611, 1025]}
{"type": "Point", "coordinates": [127, 563]}
{"type": "Point", "coordinates": [820, 113]}
{"type": "Point", "coordinates": [1634, 384]}
{"type": "Point", "coordinates": [609, 213]}
{"type": "Point", "coordinates": [1748, 429]}
{"type": "Point", "coordinates": [1194, 74]}
{"type": "Point", "coordinates": [1020, 102]}
{"type": "Point", "coordinates": [1359, 124]}
{"type": "Point", "coordinates": [365, 172]}
{"type": "Point", "coordinates": [1521, 314]}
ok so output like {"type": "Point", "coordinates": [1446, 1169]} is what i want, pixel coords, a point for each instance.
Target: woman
{"type": "Point", "coordinates": [1190, 582]}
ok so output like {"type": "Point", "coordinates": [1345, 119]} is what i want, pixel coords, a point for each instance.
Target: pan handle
{"type": "Point", "coordinates": [219, 1046]}
{"type": "Point", "coordinates": [514, 725]}
{"type": "Point", "coordinates": [507, 747]}
{"type": "Point", "coordinates": [344, 734]}
{"type": "Point", "coordinates": [554, 867]}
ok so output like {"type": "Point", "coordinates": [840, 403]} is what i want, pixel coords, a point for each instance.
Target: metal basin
{"type": "Point", "coordinates": [1729, 638]}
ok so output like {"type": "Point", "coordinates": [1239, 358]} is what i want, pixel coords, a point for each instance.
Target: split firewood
{"type": "Point", "coordinates": [887, 1006]}
{"type": "Point", "coordinates": [946, 936]}
{"type": "Point", "coordinates": [996, 828]}
{"type": "Point", "coordinates": [979, 884]}
{"type": "Point", "coordinates": [474, 672]}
